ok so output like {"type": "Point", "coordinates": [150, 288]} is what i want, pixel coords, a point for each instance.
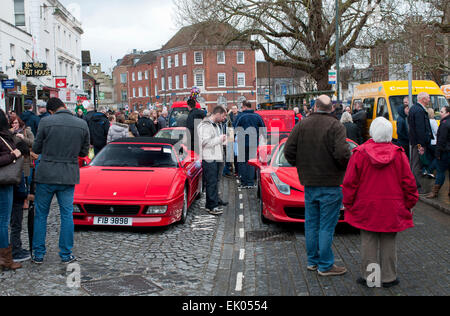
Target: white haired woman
{"type": "Point", "coordinates": [379, 193]}
{"type": "Point", "coordinates": [353, 131]}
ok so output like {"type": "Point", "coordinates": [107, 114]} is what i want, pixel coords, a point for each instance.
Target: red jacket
{"type": "Point", "coordinates": [379, 189]}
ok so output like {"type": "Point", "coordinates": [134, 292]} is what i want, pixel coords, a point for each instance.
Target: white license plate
{"type": "Point", "coordinates": [113, 221]}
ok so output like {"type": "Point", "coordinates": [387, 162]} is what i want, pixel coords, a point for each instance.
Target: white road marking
{"type": "Point", "coordinates": [241, 233]}
{"type": "Point", "coordinates": [241, 218]}
{"type": "Point", "coordinates": [240, 277]}
{"type": "Point", "coordinates": [242, 254]}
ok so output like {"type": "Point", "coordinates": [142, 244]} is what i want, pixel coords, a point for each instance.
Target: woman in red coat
{"type": "Point", "coordinates": [379, 194]}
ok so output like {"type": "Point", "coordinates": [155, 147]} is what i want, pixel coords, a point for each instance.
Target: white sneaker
{"type": "Point", "coordinates": [216, 211]}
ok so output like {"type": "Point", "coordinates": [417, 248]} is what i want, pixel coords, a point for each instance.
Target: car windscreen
{"type": "Point", "coordinates": [136, 155]}
{"type": "Point", "coordinates": [178, 117]}
{"type": "Point", "coordinates": [171, 134]}
{"type": "Point", "coordinates": [280, 160]}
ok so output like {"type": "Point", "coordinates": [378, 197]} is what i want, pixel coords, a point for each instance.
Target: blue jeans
{"type": "Point", "coordinates": [322, 207]}
{"type": "Point", "coordinates": [44, 196]}
{"type": "Point", "coordinates": [6, 202]}
{"type": "Point", "coordinates": [443, 165]}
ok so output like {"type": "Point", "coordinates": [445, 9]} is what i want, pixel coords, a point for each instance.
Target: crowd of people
{"type": "Point", "coordinates": [378, 185]}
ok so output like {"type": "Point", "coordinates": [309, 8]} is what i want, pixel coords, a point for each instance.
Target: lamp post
{"type": "Point", "coordinates": [338, 90]}
{"type": "Point", "coordinates": [12, 62]}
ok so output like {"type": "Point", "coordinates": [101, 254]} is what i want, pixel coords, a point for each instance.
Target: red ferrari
{"type": "Point", "coordinates": [138, 182]}
{"type": "Point", "coordinates": [281, 195]}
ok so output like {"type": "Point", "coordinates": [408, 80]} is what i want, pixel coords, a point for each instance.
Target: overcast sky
{"type": "Point", "coordinates": [113, 28]}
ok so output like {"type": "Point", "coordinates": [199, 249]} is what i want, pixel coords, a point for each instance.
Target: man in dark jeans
{"type": "Point", "coordinates": [420, 136]}
{"type": "Point", "coordinates": [211, 141]}
{"type": "Point", "coordinates": [247, 130]}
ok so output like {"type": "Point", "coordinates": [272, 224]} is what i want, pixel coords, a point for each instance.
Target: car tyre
{"type": "Point", "coordinates": [185, 207]}
{"type": "Point", "coordinates": [261, 207]}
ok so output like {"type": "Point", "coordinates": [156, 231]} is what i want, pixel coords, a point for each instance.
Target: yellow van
{"type": "Point", "coordinates": [383, 98]}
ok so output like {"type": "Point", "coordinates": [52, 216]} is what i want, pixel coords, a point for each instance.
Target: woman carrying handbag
{"type": "Point", "coordinates": [9, 156]}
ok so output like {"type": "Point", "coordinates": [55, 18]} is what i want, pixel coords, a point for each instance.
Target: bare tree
{"type": "Point", "coordinates": [302, 31]}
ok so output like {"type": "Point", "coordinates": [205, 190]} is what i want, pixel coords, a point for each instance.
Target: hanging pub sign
{"type": "Point", "coordinates": [34, 70]}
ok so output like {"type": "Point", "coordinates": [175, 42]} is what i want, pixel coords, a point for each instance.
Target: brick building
{"type": "Point", "coordinates": [195, 56]}
{"type": "Point", "coordinates": [121, 80]}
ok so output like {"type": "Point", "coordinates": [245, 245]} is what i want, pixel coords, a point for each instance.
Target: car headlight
{"type": "Point", "coordinates": [281, 186]}
{"type": "Point", "coordinates": [77, 209]}
{"type": "Point", "coordinates": [151, 210]}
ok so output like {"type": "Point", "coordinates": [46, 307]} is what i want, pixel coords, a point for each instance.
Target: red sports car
{"type": "Point", "coordinates": [138, 182]}
{"type": "Point", "coordinates": [281, 195]}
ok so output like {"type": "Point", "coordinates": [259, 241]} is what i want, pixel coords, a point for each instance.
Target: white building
{"type": "Point", "coordinates": [54, 38]}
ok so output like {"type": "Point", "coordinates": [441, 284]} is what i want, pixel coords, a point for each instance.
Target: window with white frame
{"type": "Point", "coordinates": [134, 92]}
{"type": "Point", "coordinates": [146, 91]}
{"type": "Point", "coordinates": [177, 63]}
{"type": "Point", "coordinates": [199, 80]}
{"type": "Point", "coordinates": [163, 83]}
{"type": "Point", "coordinates": [221, 80]}
{"type": "Point", "coordinates": [198, 58]}
{"type": "Point", "coordinates": [184, 59]}
{"type": "Point", "coordinates": [155, 73]}
{"type": "Point", "coordinates": [240, 58]}
{"type": "Point", "coordinates": [139, 76]}
{"type": "Point", "coordinates": [177, 82]}
{"type": "Point", "coordinates": [123, 78]}
{"type": "Point", "coordinates": [169, 82]}
{"type": "Point", "coordinates": [169, 62]}
{"type": "Point", "coordinates": [140, 92]}
{"type": "Point", "coordinates": [133, 77]}
{"type": "Point", "coordinates": [19, 12]}
{"type": "Point", "coordinates": [162, 62]}
{"type": "Point", "coordinates": [156, 90]}
{"type": "Point", "coordinates": [146, 75]}
{"type": "Point", "coordinates": [241, 79]}
{"type": "Point", "coordinates": [221, 57]}
{"type": "Point", "coordinates": [185, 84]}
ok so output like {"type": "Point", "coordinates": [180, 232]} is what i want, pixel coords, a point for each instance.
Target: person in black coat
{"type": "Point", "coordinates": [194, 118]}
{"type": "Point", "coordinates": [353, 131]}
{"type": "Point", "coordinates": [402, 128]}
{"type": "Point", "coordinates": [360, 118]}
{"type": "Point", "coordinates": [420, 135]}
{"type": "Point", "coordinates": [98, 129]}
{"type": "Point", "coordinates": [145, 125]}
{"type": "Point", "coordinates": [442, 152]}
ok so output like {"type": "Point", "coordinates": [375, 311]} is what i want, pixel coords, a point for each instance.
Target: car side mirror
{"type": "Point", "coordinates": [256, 163]}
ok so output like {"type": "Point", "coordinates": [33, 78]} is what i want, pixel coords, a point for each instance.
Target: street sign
{"type": "Point", "coordinates": [34, 70]}
{"type": "Point", "coordinates": [332, 77]}
{"type": "Point", "coordinates": [101, 95]}
{"type": "Point", "coordinates": [8, 84]}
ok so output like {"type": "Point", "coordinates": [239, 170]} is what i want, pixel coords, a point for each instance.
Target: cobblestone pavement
{"type": "Point", "coordinates": [215, 256]}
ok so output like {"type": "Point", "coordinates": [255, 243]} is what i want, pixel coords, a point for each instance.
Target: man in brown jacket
{"type": "Point", "coordinates": [317, 147]}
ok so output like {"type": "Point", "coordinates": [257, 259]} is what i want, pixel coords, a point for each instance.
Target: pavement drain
{"type": "Point", "coordinates": [130, 285]}
{"type": "Point", "coordinates": [262, 236]}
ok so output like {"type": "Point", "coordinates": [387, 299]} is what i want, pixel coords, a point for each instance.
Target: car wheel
{"type": "Point", "coordinates": [185, 207]}
{"type": "Point", "coordinates": [261, 207]}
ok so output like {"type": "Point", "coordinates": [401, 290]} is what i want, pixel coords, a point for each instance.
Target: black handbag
{"type": "Point", "coordinates": [11, 174]}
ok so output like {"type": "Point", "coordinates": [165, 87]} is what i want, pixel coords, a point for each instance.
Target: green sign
{"type": "Point", "coordinates": [101, 95]}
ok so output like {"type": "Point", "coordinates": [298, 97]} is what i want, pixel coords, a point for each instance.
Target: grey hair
{"type": "Point", "coordinates": [422, 95]}
{"type": "Point", "coordinates": [146, 113]}
{"type": "Point", "coordinates": [381, 130]}
{"type": "Point", "coordinates": [346, 117]}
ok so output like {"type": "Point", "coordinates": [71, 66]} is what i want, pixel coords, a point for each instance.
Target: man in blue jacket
{"type": "Point", "coordinates": [420, 135]}
{"type": "Point", "coordinates": [29, 118]}
{"type": "Point", "coordinates": [247, 130]}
